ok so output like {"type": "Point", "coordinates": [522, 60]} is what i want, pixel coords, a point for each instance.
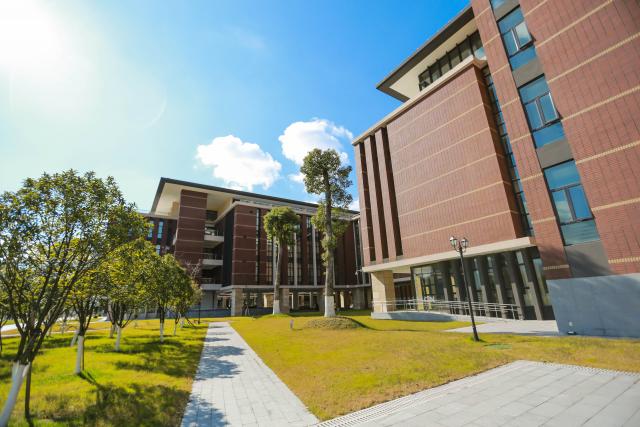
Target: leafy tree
{"type": "Point", "coordinates": [168, 283]}
{"type": "Point", "coordinates": [53, 231]}
{"type": "Point", "coordinates": [88, 295]}
{"type": "Point", "coordinates": [326, 176]}
{"type": "Point", "coordinates": [182, 302]}
{"type": "Point", "coordinates": [280, 224]}
{"type": "Point", "coordinates": [4, 311]}
{"type": "Point", "coordinates": [131, 266]}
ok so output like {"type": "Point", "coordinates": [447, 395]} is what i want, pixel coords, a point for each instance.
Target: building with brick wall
{"type": "Point", "coordinates": [221, 231]}
{"type": "Point", "coordinates": [519, 130]}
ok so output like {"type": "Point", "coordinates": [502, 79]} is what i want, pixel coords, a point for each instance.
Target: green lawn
{"type": "Point", "coordinates": [332, 371]}
{"type": "Point", "coordinates": [147, 384]}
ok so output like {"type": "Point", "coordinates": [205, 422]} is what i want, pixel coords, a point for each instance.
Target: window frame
{"type": "Point", "coordinates": [511, 32]}
{"type": "Point", "coordinates": [540, 111]}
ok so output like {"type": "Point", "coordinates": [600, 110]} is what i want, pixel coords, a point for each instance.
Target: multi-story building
{"type": "Point", "coordinates": [519, 130]}
{"type": "Point", "coordinates": [219, 233]}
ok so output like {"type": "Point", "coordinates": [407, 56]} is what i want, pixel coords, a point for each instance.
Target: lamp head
{"type": "Point", "coordinates": [464, 242]}
{"type": "Point", "coordinates": [454, 242]}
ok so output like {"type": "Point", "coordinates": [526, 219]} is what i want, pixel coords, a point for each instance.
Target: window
{"type": "Point", "coordinates": [497, 3]}
{"type": "Point", "coordinates": [160, 228]}
{"type": "Point", "coordinates": [150, 235]}
{"type": "Point", "coordinates": [459, 53]}
{"type": "Point", "coordinates": [158, 249]}
{"type": "Point", "coordinates": [543, 117]}
{"type": "Point", "coordinates": [517, 39]}
{"type": "Point", "coordinates": [571, 205]}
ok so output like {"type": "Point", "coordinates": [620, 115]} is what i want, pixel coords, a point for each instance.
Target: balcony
{"type": "Point", "coordinates": [211, 261]}
{"type": "Point", "coordinates": [209, 284]}
{"type": "Point", "coordinates": [212, 237]}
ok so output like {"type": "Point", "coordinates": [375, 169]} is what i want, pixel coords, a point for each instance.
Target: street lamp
{"type": "Point", "coordinates": [460, 246]}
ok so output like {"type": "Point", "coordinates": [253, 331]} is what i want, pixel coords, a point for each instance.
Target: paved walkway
{"type": "Point", "coordinates": [518, 394]}
{"type": "Point", "coordinates": [234, 387]}
{"type": "Point", "coordinates": [516, 327]}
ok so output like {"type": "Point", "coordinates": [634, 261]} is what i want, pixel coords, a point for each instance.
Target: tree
{"type": "Point", "coordinates": [54, 230]}
{"type": "Point", "coordinates": [280, 224]}
{"type": "Point", "coordinates": [131, 266]}
{"type": "Point", "coordinates": [183, 301]}
{"type": "Point", "coordinates": [326, 176]}
{"type": "Point", "coordinates": [169, 282]}
{"type": "Point", "coordinates": [89, 294]}
{"type": "Point", "coordinates": [4, 311]}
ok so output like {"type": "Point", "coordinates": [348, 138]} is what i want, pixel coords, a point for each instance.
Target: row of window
{"type": "Point", "coordinates": [471, 45]}
{"type": "Point", "coordinates": [563, 181]}
{"type": "Point", "coordinates": [506, 145]}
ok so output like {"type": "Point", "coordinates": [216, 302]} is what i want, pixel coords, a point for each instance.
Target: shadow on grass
{"type": "Point", "coordinates": [136, 405]}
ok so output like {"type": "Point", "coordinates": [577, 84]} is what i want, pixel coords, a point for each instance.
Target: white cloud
{"type": "Point", "coordinates": [241, 165]}
{"type": "Point", "coordinates": [297, 177]}
{"type": "Point", "coordinates": [355, 205]}
{"type": "Point", "coordinates": [301, 137]}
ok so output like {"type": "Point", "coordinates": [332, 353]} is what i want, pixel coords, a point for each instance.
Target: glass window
{"type": "Point", "coordinates": [497, 3]}
{"type": "Point", "coordinates": [541, 112]}
{"type": "Point", "coordinates": [150, 235]}
{"type": "Point", "coordinates": [571, 205]}
{"type": "Point", "coordinates": [516, 38]}
{"type": "Point", "coordinates": [160, 229]}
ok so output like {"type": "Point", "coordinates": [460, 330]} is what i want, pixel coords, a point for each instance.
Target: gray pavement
{"type": "Point", "coordinates": [233, 387]}
{"type": "Point", "coordinates": [521, 393]}
{"type": "Point", "coordinates": [516, 327]}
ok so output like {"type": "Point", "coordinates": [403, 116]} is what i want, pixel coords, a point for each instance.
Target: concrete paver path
{"type": "Point", "coordinates": [516, 327]}
{"type": "Point", "coordinates": [233, 387]}
{"type": "Point", "coordinates": [521, 393]}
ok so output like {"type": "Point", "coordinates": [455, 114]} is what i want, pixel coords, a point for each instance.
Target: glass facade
{"type": "Point", "coordinates": [544, 120]}
{"type": "Point", "coordinates": [571, 205]}
{"type": "Point", "coordinates": [471, 45]}
{"type": "Point", "coordinates": [516, 38]}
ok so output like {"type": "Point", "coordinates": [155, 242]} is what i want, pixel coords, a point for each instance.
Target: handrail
{"type": "Point", "coordinates": [487, 309]}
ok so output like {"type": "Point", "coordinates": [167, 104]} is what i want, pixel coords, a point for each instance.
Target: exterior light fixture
{"type": "Point", "coordinates": [461, 246]}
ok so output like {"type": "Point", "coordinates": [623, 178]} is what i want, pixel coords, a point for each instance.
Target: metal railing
{"type": "Point", "coordinates": [487, 309]}
{"type": "Point", "coordinates": [212, 232]}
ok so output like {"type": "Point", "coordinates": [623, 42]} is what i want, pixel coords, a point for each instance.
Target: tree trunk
{"type": "Point", "coordinates": [79, 354]}
{"type": "Point", "coordinates": [112, 330]}
{"type": "Point", "coordinates": [18, 372]}
{"type": "Point", "coordinates": [276, 281]}
{"type": "Point", "coordinates": [75, 338]}
{"type": "Point", "coordinates": [162, 331]}
{"type": "Point", "coordinates": [27, 395]}
{"type": "Point", "coordinates": [118, 337]}
{"type": "Point", "coordinates": [329, 307]}
{"type": "Point", "coordinates": [181, 322]}
{"type": "Point", "coordinates": [175, 328]}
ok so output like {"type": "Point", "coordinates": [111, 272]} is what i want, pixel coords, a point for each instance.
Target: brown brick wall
{"type": "Point", "coordinates": [190, 226]}
{"type": "Point", "coordinates": [448, 171]}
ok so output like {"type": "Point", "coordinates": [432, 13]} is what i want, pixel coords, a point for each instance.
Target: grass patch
{"type": "Point", "coordinates": [332, 323]}
{"type": "Point", "coordinates": [147, 384]}
{"type": "Point", "coordinates": [336, 371]}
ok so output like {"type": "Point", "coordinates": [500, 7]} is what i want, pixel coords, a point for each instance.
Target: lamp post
{"type": "Point", "coordinates": [460, 246]}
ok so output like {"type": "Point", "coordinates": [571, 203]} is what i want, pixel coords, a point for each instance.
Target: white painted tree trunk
{"type": "Point", "coordinates": [329, 308]}
{"type": "Point", "coordinates": [79, 354]}
{"type": "Point", "coordinates": [18, 372]}
{"type": "Point", "coordinates": [181, 322]}
{"type": "Point", "coordinates": [161, 331]}
{"type": "Point", "coordinates": [118, 337]}
{"type": "Point", "coordinates": [276, 306]}
{"type": "Point", "coordinates": [74, 339]}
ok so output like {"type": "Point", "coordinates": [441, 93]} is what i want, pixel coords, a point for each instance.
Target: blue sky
{"type": "Point", "coordinates": [228, 93]}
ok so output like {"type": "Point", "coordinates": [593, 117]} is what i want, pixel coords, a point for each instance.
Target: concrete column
{"type": "Point", "coordinates": [340, 299]}
{"type": "Point", "coordinates": [295, 301]}
{"type": "Point", "coordinates": [284, 300]}
{"type": "Point", "coordinates": [383, 290]}
{"type": "Point", "coordinates": [237, 300]}
{"type": "Point", "coordinates": [417, 283]}
{"type": "Point", "coordinates": [359, 302]}
{"type": "Point", "coordinates": [516, 282]}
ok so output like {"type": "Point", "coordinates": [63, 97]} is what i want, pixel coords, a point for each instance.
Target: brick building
{"type": "Point", "coordinates": [520, 130]}
{"type": "Point", "coordinates": [221, 230]}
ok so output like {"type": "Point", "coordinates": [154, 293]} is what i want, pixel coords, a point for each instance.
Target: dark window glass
{"type": "Point", "coordinates": [160, 229]}
{"type": "Point", "coordinates": [516, 38]}
{"type": "Point", "coordinates": [571, 205]}
{"type": "Point", "coordinates": [454, 57]}
{"type": "Point", "coordinates": [541, 112]}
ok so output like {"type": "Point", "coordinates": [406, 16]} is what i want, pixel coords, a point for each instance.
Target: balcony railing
{"type": "Point", "coordinates": [508, 311]}
{"type": "Point", "coordinates": [212, 232]}
{"type": "Point", "coordinates": [212, 256]}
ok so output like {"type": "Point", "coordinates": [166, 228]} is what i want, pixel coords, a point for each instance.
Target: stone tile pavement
{"type": "Point", "coordinates": [516, 327]}
{"type": "Point", "coordinates": [521, 393]}
{"type": "Point", "coordinates": [233, 387]}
